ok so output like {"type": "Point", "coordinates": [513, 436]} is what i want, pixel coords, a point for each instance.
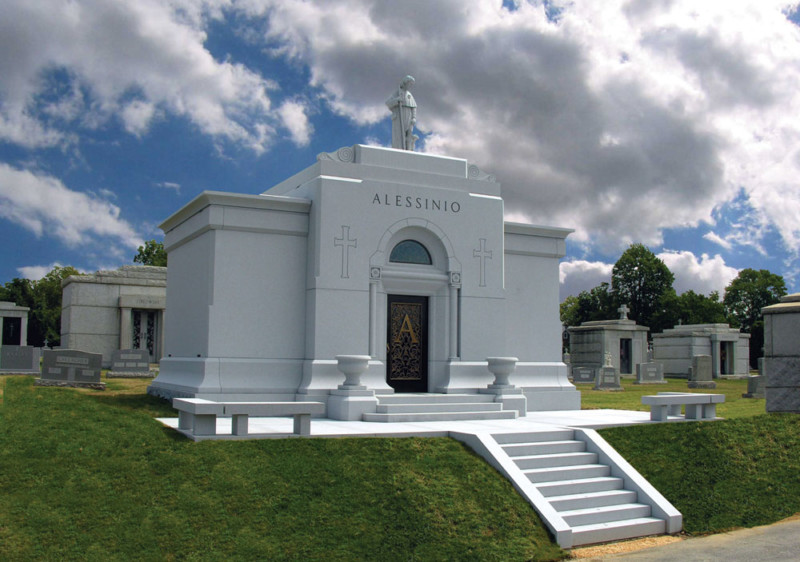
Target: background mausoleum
{"type": "Point", "coordinates": [111, 310]}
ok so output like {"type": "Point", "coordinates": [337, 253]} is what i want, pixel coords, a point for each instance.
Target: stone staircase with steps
{"type": "Point", "coordinates": [438, 407]}
{"type": "Point", "coordinates": [580, 487]}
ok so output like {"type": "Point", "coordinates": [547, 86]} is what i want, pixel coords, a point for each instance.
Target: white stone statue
{"type": "Point", "coordinates": [404, 115]}
{"type": "Point", "coordinates": [609, 360]}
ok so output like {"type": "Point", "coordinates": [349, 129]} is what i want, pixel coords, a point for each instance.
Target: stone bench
{"type": "Point", "coordinates": [698, 406]}
{"type": "Point", "coordinates": [200, 416]}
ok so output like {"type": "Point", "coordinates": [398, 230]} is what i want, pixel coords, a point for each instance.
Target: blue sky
{"type": "Point", "coordinates": [675, 124]}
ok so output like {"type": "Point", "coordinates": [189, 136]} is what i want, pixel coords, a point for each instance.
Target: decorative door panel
{"type": "Point", "coordinates": [407, 343]}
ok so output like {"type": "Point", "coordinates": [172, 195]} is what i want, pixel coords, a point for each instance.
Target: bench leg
{"type": "Point", "coordinates": [658, 413]}
{"type": "Point", "coordinates": [185, 420]}
{"type": "Point", "coordinates": [674, 410]}
{"type": "Point", "coordinates": [302, 424]}
{"type": "Point", "coordinates": [239, 424]}
{"type": "Point", "coordinates": [205, 424]}
{"type": "Point", "coordinates": [709, 411]}
{"type": "Point", "coordinates": [694, 411]}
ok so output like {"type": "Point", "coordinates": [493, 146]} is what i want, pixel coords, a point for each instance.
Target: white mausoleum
{"type": "Point", "coordinates": [401, 256]}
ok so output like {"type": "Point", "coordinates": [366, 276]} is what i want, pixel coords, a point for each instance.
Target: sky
{"type": "Point", "coordinates": [672, 123]}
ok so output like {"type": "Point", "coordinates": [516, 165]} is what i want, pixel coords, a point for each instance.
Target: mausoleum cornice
{"type": "Point", "coordinates": [208, 198]}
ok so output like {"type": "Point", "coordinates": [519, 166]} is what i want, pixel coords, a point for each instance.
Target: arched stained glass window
{"type": "Point", "coordinates": [410, 251]}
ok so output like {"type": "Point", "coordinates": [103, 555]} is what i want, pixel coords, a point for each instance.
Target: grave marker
{"type": "Point", "coordinates": [650, 373]}
{"type": "Point", "coordinates": [70, 367]}
{"type": "Point", "coordinates": [22, 359]}
{"type": "Point", "coordinates": [700, 375]}
{"type": "Point", "coordinates": [128, 363]}
{"type": "Point", "coordinates": [583, 375]}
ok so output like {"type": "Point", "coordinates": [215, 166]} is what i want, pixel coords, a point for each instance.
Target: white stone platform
{"type": "Point", "coordinates": [271, 428]}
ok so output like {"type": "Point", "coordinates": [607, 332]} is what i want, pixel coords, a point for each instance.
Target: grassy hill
{"type": "Point", "coordinates": [92, 476]}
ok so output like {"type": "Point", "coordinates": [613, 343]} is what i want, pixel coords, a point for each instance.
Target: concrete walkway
{"type": "Point", "coordinates": [266, 428]}
{"type": "Point", "coordinates": [777, 542]}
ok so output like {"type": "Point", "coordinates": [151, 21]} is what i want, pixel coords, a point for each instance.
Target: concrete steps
{"type": "Point", "coordinates": [438, 407]}
{"type": "Point", "coordinates": [592, 502]}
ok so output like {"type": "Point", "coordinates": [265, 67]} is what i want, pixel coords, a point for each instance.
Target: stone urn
{"type": "Point", "coordinates": [501, 368]}
{"type": "Point", "coordinates": [353, 366]}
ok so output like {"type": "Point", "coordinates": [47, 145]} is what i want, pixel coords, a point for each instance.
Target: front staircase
{"type": "Point", "coordinates": [438, 407]}
{"type": "Point", "coordinates": [579, 487]}
{"type": "Point", "coordinates": [583, 490]}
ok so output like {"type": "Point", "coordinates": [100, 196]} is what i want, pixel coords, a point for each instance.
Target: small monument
{"type": "Point", "coordinates": [782, 354]}
{"type": "Point", "coordinates": [650, 373]}
{"type": "Point", "coordinates": [700, 375]}
{"type": "Point", "coordinates": [69, 367]}
{"type": "Point", "coordinates": [583, 375]}
{"type": "Point", "coordinates": [20, 359]}
{"type": "Point", "coordinates": [404, 115]}
{"type": "Point", "coordinates": [130, 363]}
{"type": "Point", "coordinates": [608, 376]}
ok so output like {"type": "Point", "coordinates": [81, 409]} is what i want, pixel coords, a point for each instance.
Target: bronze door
{"type": "Point", "coordinates": [407, 344]}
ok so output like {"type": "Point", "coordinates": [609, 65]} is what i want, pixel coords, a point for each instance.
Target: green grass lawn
{"type": "Point", "coordinates": [91, 475]}
{"type": "Point", "coordinates": [631, 398]}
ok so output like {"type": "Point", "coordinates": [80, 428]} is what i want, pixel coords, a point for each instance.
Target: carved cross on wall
{"type": "Point", "coordinates": [482, 254]}
{"type": "Point", "coordinates": [623, 312]}
{"type": "Point", "coordinates": [346, 243]}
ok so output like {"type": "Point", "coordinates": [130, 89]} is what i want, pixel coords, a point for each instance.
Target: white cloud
{"type": "Point", "coordinates": [36, 272]}
{"type": "Point", "coordinates": [581, 275]}
{"type": "Point", "coordinates": [294, 118]}
{"type": "Point", "coordinates": [717, 239]}
{"type": "Point", "coordinates": [176, 187]}
{"type": "Point", "coordinates": [622, 119]}
{"type": "Point", "coordinates": [134, 59]}
{"type": "Point", "coordinates": [45, 206]}
{"type": "Point", "coordinates": [702, 275]}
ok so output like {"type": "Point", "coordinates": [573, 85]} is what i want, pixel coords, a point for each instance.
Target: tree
{"type": "Point", "coordinates": [642, 281]}
{"type": "Point", "coordinates": [43, 297]}
{"type": "Point", "coordinates": [688, 308]}
{"type": "Point", "coordinates": [745, 296]}
{"type": "Point", "coordinates": [152, 253]}
{"type": "Point", "coordinates": [597, 304]}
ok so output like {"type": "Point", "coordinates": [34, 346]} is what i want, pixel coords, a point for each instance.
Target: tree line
{"type": "Point", "coordinates": [43, 296]}
{"type": "Point", "coordinates": [644, 283]}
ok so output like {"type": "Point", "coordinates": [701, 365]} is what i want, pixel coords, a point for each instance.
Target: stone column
{"type": "Point", "coordinates": [23, 331]}
{"type": "Point", "coordinates": [454, 287]}
{"type": "Point", "coordinates": [715, 356]}
{"type": "Point", "coordinates": [374, 279]}
{"type": "Point", "coordinates": [125, 325]}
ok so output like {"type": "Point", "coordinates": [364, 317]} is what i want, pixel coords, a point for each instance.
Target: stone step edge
{"type": "Point", "coordinates": [441, 416]}
{"type": "Point", "coordinates": [598, 533]}
{"type": "Point", "coordinates": [589, 496]}
{"type": "Point", "coordinates": [509, 448]}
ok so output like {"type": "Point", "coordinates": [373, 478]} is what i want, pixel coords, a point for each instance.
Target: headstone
{"type": "Point", "coordinates": [756, 387]}
{"type": "Point", "coordinates": [69, 367]}
{"type": "Point", "coordinates": [650, 373]}
{"type": "Point", "coordinates": [700, 375]}
{"type": "Point", "coordinates": [607, 379]}
{"type": "Point", "coordinates": [583, 375]}
{"type": "Point", "coordinates": [22, 359]}
{"type": "Point", "coordinates": [130, 363]}
{"type": "Point", "coordinates": [782, 354]}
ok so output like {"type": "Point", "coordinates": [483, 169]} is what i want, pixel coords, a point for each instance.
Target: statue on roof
{"type": "Point", "coordinates": [404, 115]}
